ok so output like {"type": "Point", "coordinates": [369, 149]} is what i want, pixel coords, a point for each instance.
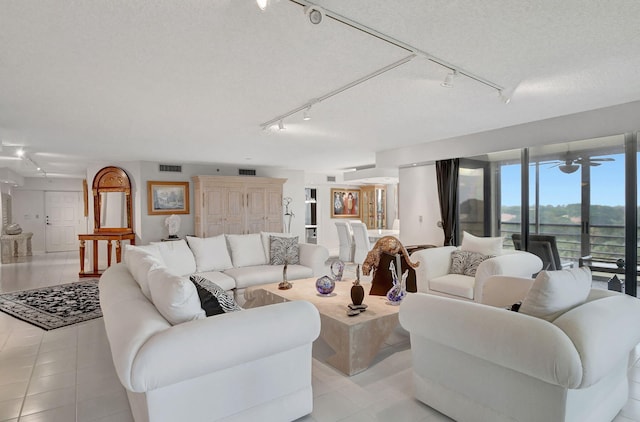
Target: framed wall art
{"type": "Point", "coordinates": [345, 203]}
{"type": "Point", "coordinates": [167, 198]}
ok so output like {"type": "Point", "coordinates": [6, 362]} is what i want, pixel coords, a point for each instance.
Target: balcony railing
{"type": "Point", "coordinates": [607, 242]}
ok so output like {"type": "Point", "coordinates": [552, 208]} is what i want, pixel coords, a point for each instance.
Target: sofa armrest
{"type": "Point", "coordinates": [502, 290]}
{"type": "Point", "coordinates": [523, 343]}
{"type": "Point", "coordinates": [604, 332]}
{"type": "Point", "coordinates": [191, 349]}
{"type": "Point", "coordinates": [517, 264]}
{"type": "Point", "coordinates": [434, 262]}
{"type": "Point", "coordinates": [314, 257]}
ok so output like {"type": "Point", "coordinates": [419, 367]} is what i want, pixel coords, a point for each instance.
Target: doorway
{"type": "Point", "coordinates": [63, 220]}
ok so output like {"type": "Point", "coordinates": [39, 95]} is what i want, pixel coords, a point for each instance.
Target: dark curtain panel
{"type": "Point", "coordinates": [447, 172]}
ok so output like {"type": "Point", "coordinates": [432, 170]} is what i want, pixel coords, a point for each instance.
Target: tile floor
{"type": "Point", "coordinates": [67, 375]}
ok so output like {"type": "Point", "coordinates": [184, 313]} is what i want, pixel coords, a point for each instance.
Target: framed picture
{"type": "Point", "coordinates": [168, 197]}
{"type": "Point", "coordinates": [345, 203]}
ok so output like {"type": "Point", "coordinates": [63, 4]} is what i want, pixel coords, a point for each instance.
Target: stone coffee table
{"type": "Point", "coordinates": [355, 340]}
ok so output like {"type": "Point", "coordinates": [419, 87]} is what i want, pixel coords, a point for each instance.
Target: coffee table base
{"type": "Point", "coordinates": [355, 340]}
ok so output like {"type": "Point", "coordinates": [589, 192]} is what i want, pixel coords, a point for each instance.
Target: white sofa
{"type": "Point", "coordinates": [240, 366]}
{"type": "Point", "coordinates": [475, 362]}
{"type": "Point", "coordinates": [235, 262]}
{"type": "Point", "coordinates": [433, 274]}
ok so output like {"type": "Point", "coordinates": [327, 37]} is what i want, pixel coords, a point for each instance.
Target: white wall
{"type": "Point", "coordinates": [419, 206]}
{"type": "Point", "coordinates": [151, 228]}
{"type": "Point", "coordinates": [28, 211]}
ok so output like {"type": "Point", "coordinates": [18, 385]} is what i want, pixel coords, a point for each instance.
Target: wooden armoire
{"type": "Point", "coordinates": [237, 205]}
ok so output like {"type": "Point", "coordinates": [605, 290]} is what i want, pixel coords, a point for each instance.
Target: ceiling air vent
{"type": "Point", "coordinates": [173, 168]}
{"type": "Point", "coordinates": [246, 172]}
{"type": "Point", "coordinates": [331, 178]}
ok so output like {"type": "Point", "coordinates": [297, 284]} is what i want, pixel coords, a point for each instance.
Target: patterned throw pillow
{"type": "Point", "coordinates": [466, 263]}
{"type": "Point", "coordinates": [284, 249]}
{"type": "Point", "coordinates": [213, 299]}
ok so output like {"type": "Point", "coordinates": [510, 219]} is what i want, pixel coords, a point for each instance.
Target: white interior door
{"type": "Point", "coordinates": [62, 218]}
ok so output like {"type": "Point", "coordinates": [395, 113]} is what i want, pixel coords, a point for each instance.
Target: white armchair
{"type": "Point", "coordinates": [479, 363]}
{"type": "Point", "coordinates": [432, 275]}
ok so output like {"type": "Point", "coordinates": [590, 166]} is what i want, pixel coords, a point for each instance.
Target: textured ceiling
{"type": "Point", "coordinates": [191, 81]}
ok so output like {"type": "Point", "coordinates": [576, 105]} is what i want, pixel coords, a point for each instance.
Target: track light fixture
{"type": "Point", "coordinates": [504, 98]}
{"type": "Point", "coordinates": [24, 156]}
{"type": "Point", "coordinates": [262, 4]}
{"type": "Point", "coordinates": [281, 125]}
{"type": "Point", "coordinates": [448, 80]}
{"type": "Point", "coordinates": [307, 114]}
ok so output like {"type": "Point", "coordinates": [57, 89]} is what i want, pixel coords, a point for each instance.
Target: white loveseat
{"type": "Point", "coordinates": [235, 262]}
{"type": "Point", "coordinates": [434, 275]}
{"type": "Point", "coordinates": [248, 365]}
{"type": "Point", "coordinates": [475, 362]}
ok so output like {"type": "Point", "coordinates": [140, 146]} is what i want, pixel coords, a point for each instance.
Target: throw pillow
{"type": "Point", "coordinates": [466, 263]}
{"type": "Point", "coordinates": [211, 253]}
{"type": "Point", "coordinates": [266, 241]}
{"type": "Point", "coordinates": [284, 249]}
{"type": "Point", "coordinates": [177, 256]}
{"type": "Point", "coordinates": [246, 250]}
{"type": "Point", "coordinates": [483, 245]}
{"type": "Point", "coordinates": [213, 299]}
{"type": "Point", "coordinates": [556, 292]}
{"type": "Point", "coordinates": [149, 249]}
{"type": "Point", "coordinates": [175, 297]}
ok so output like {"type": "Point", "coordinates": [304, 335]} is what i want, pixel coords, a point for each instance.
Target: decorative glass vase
{"type": "Point", "coordinates": [325, 285]}
{"type": "Point", "coordinates": [337, 268]}
{"type": "Point", "coordinates": [399, 289]}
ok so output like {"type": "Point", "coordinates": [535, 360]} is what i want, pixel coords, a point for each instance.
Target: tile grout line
{"type": "Point", "coordinates": [33, 369]}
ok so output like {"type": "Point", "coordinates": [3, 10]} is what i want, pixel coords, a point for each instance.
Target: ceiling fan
{"type": "Point", "coordinates": [571, 165]}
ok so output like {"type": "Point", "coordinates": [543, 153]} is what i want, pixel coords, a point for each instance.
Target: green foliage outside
{"type": "Point", "coordinates": [564, 221]}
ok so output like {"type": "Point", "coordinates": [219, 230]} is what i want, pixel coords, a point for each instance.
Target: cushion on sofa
{"type": "Point", "coordinates": [264, 274]}
{"type": "Point", "coordinates": [139, 262]}
{"type": "Point", "coordinates": [211, 253]}
{"type": "Point", "coordinates": [555, 292]}
{"type": "Point", "coordinates": [213, 299]}
{"type": "Point", "coordinates": [466, 263]}
{"type": "Point", "coordinates": [175, 297]}
{"type": "Point", "coordinates": [177, 256]}
{"type": "Point", "coordinates": [483, 245]}
{"type": "Point", "coordinates": [246, 250]}
{"type": "Point", "coordinates": [149, 249]}
{"type": "Point", "coordinates": [453, 284]}
{"type": "Point", "coordinates": [284, 249]}
{"type": "Point", "coordinates": [266, 241]}
{"type": "Point", "coordinates": [220, 278]}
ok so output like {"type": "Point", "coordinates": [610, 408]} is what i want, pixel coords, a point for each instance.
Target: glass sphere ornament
{"type": "Point", "coordinates": [325, 285]}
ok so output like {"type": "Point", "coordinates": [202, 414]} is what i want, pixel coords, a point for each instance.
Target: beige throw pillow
{"type": "Point", "coordinates": [555, 292]}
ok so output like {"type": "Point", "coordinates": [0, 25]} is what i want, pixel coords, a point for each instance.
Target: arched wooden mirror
{"type": "Point", "coordinates": [112, 201]}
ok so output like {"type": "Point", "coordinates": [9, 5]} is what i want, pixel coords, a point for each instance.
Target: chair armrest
{"type": "Point", "coordinates": [604, 332]}
{"type": "Point", "coordinates": [191, 349]}
{"type": "Point", "coordinates": [314, 257]}
{"type": "Point", "coordinates": [502, 291]}
{"type": "Point", "coordinates": [523, 343]}
{"type": "Point", "coordinates": [434, 262]}
{"type": "Point", "coordinates": [517, 264]}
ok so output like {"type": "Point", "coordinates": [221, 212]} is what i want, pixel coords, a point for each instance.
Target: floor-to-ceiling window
{"type": "Point", "coordinates": [576, 193]}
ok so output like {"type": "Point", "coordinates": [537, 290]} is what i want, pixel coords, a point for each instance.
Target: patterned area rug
{"type": "Point", "coordinates": [55, 306]}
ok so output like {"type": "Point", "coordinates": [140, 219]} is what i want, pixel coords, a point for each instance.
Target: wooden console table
{"type": "Point", "coordinates": [109, 237]}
